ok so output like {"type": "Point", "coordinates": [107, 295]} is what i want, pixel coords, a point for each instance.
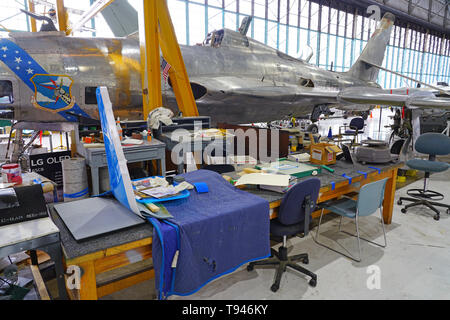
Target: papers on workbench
{"type": "Point", "coordinates": [278, 180]}
{"type": "Point", "coordinates": [167, 191]}
{"type": "Point", "coordinates": [151, 182]}
{"type": "Point", "coordinates": [160, 192]}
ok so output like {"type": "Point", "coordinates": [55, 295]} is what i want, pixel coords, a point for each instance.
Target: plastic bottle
{"type": "Point", "coordinates": [149, 135]}
{"type": "Point", "coordinates": [119, 129]}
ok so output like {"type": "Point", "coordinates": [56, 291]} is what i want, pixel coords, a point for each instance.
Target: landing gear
{"type": "Point", "coordinates": [365, 115]}
{"type": "Point", "coordinates": [318, 111]}
{"type": "Point", "coordinates": [313, 128]}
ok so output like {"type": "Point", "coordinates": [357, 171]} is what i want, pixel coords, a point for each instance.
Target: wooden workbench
{"type": "Point", "coordinates": [100, 255]}
{"type": "Point", "coordinates": [122, 248]}
{"type": "Point", "coordinates": [342, 185]}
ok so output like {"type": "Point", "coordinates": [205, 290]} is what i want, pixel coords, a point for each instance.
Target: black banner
{"type": "Point", "coordinates": [49, 165]}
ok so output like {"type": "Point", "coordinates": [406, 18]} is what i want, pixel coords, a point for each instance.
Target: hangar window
{"type": "Point", "coordinates": [90, 96]}
{"type": "Point", "coordinates": [6, 92]}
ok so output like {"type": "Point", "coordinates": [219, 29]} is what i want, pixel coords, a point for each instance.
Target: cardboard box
{"type": "Point", "coordinates": [324, 153]}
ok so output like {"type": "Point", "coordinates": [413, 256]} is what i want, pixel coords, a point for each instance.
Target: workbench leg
{"type": "Point", "coordinates": [389, 195]}
{"type": "Point", "coordinates": [55, 253]}
{"type": "Point", "coordinates": [163, 166]}
{"type": "Point", "coordinates": [95, 181]}
{"type": "Point", "coordinates": [34, 257]}
{"type": "Point", "coordinates": [88, 283]}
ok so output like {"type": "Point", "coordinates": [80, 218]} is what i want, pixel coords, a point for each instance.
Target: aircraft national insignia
{"type": "Point", "coordinates": [52, 92]}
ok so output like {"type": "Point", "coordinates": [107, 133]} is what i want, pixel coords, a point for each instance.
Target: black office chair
{"type": "Point", "coordinates": [294, 216]}
{"type": "Point", "coordinates": [432, 144]}
{"type": "Point", "coordinates": [219, 168]}
{"type": "Point", "coordinates": [356, 128]}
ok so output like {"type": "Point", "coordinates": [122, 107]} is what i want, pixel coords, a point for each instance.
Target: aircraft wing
{"type": "Point", "coordinates": [389, 98]}
{"type": "Point", "coordinates": [230, 86]}
{"type": "Point", "coordinates": [290, 93]}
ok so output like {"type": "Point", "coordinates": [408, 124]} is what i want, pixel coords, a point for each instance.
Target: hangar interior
{"type": "Point", "coordinates": [224, 150]}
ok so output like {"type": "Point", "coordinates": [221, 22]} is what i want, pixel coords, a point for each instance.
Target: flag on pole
{"type": "Point", "coordinates": [166, 67]}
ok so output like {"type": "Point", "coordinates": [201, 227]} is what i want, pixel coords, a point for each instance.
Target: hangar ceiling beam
{"type": "Point", "coordinates": [446, 15]}
{"type": "Point", "coordinates": [403, 16]}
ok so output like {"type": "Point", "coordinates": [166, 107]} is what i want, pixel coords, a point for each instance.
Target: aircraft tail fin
{"type": "Point", "coordinates": [373, 53]}
{"type": "Point", "coordinates": [121, 18]}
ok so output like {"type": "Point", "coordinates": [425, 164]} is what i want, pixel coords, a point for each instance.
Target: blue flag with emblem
{"type": "Point", "coordinates": [50, 92]}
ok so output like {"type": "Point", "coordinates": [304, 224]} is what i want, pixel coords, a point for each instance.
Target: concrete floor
{"type": "Point", "coordinates": [413, 266]}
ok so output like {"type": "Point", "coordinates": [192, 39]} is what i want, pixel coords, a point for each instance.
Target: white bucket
{"type": "Point", "coordinates": [75, 184]}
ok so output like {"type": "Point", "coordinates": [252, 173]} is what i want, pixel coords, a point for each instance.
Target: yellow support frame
{"type": "Point", "coordinates": [150, 64]}
{"type": "Point", "coordinates": [63, 17]}
{"type": "Point", "coordinates": [156, 32]}
{"type": "Point", "coordinates": [32, 20]}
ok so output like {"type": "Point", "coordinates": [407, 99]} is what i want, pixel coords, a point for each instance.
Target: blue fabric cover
{"type": "Point", "coordinates": [168, 235]}
{"type": "Point", "coordinates": [433, 143]}
{"type": "Point", "coordinates": [427, 166]}
{"type": "Point", "coordinates": [218, 231]}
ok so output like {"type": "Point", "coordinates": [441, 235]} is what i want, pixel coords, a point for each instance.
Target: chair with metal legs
{"type": "Point", "coordinates": [370, 199]}
{"type": "Point", "coordinates": [293, 217]}
{"type": "Point", "coordinates": [432, 144]}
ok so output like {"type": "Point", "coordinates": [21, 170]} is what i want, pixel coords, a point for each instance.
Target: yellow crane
{"type": "Point", "coordinates": [156, 32]}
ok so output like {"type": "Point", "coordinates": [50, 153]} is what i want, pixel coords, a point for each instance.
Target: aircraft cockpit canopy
{"type": "Point", "coordinates": [225, 37]}
{"type": "Point", "coordinates": [214, 39]}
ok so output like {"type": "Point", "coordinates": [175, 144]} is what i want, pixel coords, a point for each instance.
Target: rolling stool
{"type": "Point", "coordinates": [432, 144]}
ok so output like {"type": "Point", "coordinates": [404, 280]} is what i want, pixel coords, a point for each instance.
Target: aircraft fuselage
{"type": "Point", "coordinates": [78, 65]}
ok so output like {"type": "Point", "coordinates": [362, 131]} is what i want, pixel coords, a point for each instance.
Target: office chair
{"type": "Point", "coordinates": [432, 144]}
{"type": "Point", "coordinates": [370, 199]}
{"type": "Point", "coordinates": [294, 216]}
{"type": "Point", "coordinates": [356, 127]}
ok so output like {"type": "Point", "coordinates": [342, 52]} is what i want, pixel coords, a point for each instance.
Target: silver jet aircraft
{"type": "Point", "coordinates": [49, 77]}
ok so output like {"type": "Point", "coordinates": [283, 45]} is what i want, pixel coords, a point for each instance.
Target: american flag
{"type": "Point", "coordinates": [166, 67]}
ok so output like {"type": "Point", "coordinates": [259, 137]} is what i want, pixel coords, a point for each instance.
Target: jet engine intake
{"type": "Point", "coordinates": [198, 90]}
